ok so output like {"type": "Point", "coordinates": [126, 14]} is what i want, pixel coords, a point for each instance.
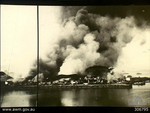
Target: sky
{"type": "Point", "coordinates": [18, 39]}
{"type": "Point", "coordinates": [19, 36]}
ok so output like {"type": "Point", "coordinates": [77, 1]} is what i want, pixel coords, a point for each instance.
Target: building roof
{"type": "Point", "coordinates": [97, 70]}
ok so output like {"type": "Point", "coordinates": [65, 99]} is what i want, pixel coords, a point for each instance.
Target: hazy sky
{"type": "Point", "coordinates": [19, 36]}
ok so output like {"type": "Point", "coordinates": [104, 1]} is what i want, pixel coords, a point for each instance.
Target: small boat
{"type": "Point", "coordinates": [147, 81]}
{"type": "Point", "coordinates": [139, 83]}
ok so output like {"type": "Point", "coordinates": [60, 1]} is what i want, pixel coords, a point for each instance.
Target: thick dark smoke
{"type": "Point", "coordinates": [141, 13]}
{"type": "Point", "coordinates": [88, 39]}
{"type": "Point", "coordinates": [105, 36]}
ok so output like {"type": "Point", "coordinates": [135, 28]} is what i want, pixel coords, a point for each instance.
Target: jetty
{"type": "Point", "coordinates": [90, 86]}
{"type": "Point", "coordinates": [78, 86]}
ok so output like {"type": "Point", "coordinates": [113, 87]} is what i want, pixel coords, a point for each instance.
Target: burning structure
{"type": "Point", "coordinates": [101, 71]}
{"type": "Point", "coordinates": [87, 41]}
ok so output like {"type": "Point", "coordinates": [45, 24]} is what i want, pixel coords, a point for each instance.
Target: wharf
{"type": "Point", "coordinates": [77, 86]}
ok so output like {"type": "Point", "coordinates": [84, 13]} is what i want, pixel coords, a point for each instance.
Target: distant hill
{"type": "Point", "coordinates": [2, 73]}
{"type": "Point", "coordinates": [4, 76]}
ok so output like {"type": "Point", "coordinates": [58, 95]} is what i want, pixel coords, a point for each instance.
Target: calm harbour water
{"type": "Point", "coordinates": [137, 96]}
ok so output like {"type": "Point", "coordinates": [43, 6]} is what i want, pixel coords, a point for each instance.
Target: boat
{"type": "Point", "coordinates": [139, 83]}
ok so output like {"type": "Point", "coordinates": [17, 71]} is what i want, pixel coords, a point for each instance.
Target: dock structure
{"type": "Point", "coordinates": [95, 86]}
{"type": "Point", "coordinates": [77, 86]}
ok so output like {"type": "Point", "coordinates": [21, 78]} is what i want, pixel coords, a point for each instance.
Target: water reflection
{"type": "Point", "coordinates": [49, 97]}
{"type": "Point", "coordinates": [18, 99]}
{"type": "Point", "coordinates": [94, 97]}
{"type": "Point", "coordinates": [71, 98]}
{"type": "Point", "coordinates": [138, 96]}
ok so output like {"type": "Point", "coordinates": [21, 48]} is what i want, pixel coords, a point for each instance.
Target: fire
{"type": "Point", "coordinates": [87, 39]}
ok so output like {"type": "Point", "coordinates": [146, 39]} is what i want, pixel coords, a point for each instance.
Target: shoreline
{"type": "Point", "coordinates": [77, 86]}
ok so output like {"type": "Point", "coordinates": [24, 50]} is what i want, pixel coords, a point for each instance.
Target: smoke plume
{"type": "Point", "coordinates": [88, 39]}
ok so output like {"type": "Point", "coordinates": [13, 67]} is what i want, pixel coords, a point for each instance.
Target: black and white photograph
{"type": "Point", "coordinates": [75, 56]}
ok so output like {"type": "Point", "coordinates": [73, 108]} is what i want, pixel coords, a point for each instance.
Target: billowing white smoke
{"type": "Point", "coordinates": [88, 53]}
{"type": "Point", "coordinates": [88, 39]}
{"type": "Point", "coordinates": [79, 59]}
{"type": "Point", "coordinates": [135, 56]}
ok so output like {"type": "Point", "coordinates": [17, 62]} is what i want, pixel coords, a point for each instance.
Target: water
{"type": "Point", "coordinates": [138, 96]}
